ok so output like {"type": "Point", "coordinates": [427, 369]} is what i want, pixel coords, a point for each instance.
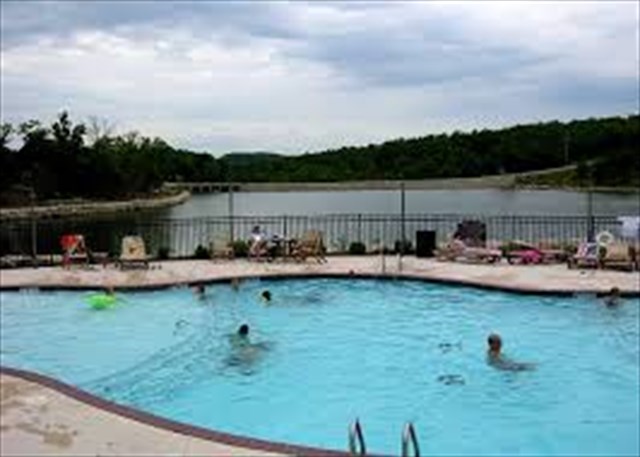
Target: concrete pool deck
{"type": "Point", "coordinates": [38, 420]}
{"type": "Point", "coordinates": [523, 278]}
{"type": "Point", "coordinates": [38, 417]}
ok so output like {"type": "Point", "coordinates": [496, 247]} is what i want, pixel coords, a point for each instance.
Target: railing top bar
{"type": "Point", "coordinates": [363, 216]}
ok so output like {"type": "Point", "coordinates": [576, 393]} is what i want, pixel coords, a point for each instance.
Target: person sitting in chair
{"type": "Point", "coordinates": [258, 243]}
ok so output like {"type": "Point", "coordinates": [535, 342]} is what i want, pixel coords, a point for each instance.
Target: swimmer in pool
{"type": "Point", "coordinates": [243, 331]}
{"type": "Point", "coordinates": [613, 299]}
{"type": "Point", "coordinates": [496, 359]}
{"type": "Point", "coordinates": [244, 354]}
{"type": "Point", "coordinates": [266, 296]}
{"type": "Point", "coordinates": [199, 291]}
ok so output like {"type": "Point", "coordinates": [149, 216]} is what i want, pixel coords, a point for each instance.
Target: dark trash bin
{"type": "Point", "coordinates": [425, 243]}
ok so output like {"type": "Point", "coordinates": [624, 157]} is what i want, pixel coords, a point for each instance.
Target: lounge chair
{"type": "Point", "coordinates": [527, 253]}
{"type": "Point", "coordinates": [133, 253]}
{"type": "Point", "coordinates": [74, 250]}
{"type": "Point", "coordinates": [617, 254]}
{"type": "Point", "coordinates": [587, 255]}
{"type": "Point", "coordinates": [457, 250]}
{"type": "Point", "coordinates": [525, 256]}
{"type": "Point", "coordinates": [310, 245]}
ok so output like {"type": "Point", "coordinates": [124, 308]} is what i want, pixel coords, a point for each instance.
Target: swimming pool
{"type": "Point", "coordinates": [330, 350]}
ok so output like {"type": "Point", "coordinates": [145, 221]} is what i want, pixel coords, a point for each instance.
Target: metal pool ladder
{"type": "Point", "coordinates": [357, 445]}
{"type": "Point", "coordinates": [409, 437]}
{"type": "Point", "coordinates": [356, 439]}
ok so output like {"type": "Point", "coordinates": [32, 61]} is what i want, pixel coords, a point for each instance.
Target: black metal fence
{"type": "Point", "coordinates": [182, 236]}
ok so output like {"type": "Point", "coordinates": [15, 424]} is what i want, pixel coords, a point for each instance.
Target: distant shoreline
{"type": "Point", "coordinates": [448, 184]}
{"type": "Point", "coordinates": [69, 209]}
{"type": "Point", "coordinates": [511, 181]}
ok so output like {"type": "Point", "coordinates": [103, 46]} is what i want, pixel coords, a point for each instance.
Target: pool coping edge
{"type": "Point", "coordinates": [516, 289]}
{"type": "Point", "coordinates": [166, 424]}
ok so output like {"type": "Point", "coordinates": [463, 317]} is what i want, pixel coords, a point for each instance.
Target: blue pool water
{"type": "Point", "coordinates": [331, 350]}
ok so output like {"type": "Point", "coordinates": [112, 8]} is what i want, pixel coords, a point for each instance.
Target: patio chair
{"type": "Point", "coordinates": [133, 253]}
{"type": "Point", "coordinates": [617, 255]}
{"type": "Point", "coordinates": [311, 245]}
{"type": "Point", "coordinates": [220, 248]}
{"type": "Point", "coordinates": [457, 250]}
{"type": "Point", "coordinates": [74, 250]}
{"type": "Point", "coordinates": [587, 255]}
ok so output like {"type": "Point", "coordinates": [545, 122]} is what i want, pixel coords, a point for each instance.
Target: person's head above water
{"type": "Point", "coordinates": [243, 330]}
{"type": "Point", "coordinates": [614, 297]}
{"type": "Point", "coordinates": [266, 295]}
{"type": "Point", "coordinates": [495, 343]}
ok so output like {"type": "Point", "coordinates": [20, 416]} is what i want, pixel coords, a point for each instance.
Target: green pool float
{"type": "Point", "coordinates": [101, 301]}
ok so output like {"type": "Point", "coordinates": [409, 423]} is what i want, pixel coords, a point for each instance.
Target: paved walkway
{"type": "Point", "coordinates": [542, 278]}
{"type": "Point", "coordinates": [36, 420]}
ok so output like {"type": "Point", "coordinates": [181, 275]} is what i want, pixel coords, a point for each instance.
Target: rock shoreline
{"type": "Point", "coordinates": [92, 208]}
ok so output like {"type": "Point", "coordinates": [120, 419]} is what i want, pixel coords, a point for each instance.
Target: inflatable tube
{"type": "Point", "coordinates": [604, 238]}
{"type": "Point", "coordinates": [101, 301]}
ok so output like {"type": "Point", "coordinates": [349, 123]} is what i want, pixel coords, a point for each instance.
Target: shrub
{"type": "Point", "coordinates": [201, 253]}
{"type": "Point", "coordinates": [357, 248]}
{"type": "Point", "coordinates": [240, 248]}
{"type": "Point", "coordinates": [163, 253]}
{"type": "Point", "coordinates": [398, 247]}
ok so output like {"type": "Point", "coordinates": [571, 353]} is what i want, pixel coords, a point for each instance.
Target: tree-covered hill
{"type": "Point", "coordinates": [56, 162]}
{"type": "Point", "coordinates": [614, 141]}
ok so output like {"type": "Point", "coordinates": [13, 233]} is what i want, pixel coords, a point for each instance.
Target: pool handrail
{"type": "Point", "coordinates": [409, 437]}
{"type": "Point", "coordinates": [356, 439]}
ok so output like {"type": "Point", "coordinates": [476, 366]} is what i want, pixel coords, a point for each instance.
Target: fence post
{"type": "Point", "coordinates": [402, 215]}
{"type": "Point", "coordinates": [34, 229]}
{"type": "Point", "coordinates": [231, 234]}
{"type": "Point", "coordinates": [590, 225]}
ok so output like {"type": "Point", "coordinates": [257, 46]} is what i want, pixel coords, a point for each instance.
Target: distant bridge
{"type": "Point", "coordinates": [203, 187]}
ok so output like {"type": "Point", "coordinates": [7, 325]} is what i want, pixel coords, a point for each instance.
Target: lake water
{"type": "Point", "coordinates": [487, 202]}
{"type": "Point", "coordinates": [201, 219]}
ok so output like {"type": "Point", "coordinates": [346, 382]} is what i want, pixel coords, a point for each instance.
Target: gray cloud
{"type": "Point", "coordinates": [26, 20]}
{"type": "Point", "coordinates": [295, 76]}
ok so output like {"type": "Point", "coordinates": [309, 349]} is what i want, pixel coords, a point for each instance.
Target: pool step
{"type": "Point", "coordinates": [357, 444]}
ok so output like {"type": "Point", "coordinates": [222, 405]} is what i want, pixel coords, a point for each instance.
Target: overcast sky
{"type": "Point", "coordinates": [305, 76]}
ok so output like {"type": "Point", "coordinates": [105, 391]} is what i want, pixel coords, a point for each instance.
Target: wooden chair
{"type": "Point", "coordinates": [617, 254]}
{"type": "Point", "coordinates": [311, 245]}
{"type": "Point", "coordinates": [220, 248]}
{"type": "Point", "coordinates": [133, 253]}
